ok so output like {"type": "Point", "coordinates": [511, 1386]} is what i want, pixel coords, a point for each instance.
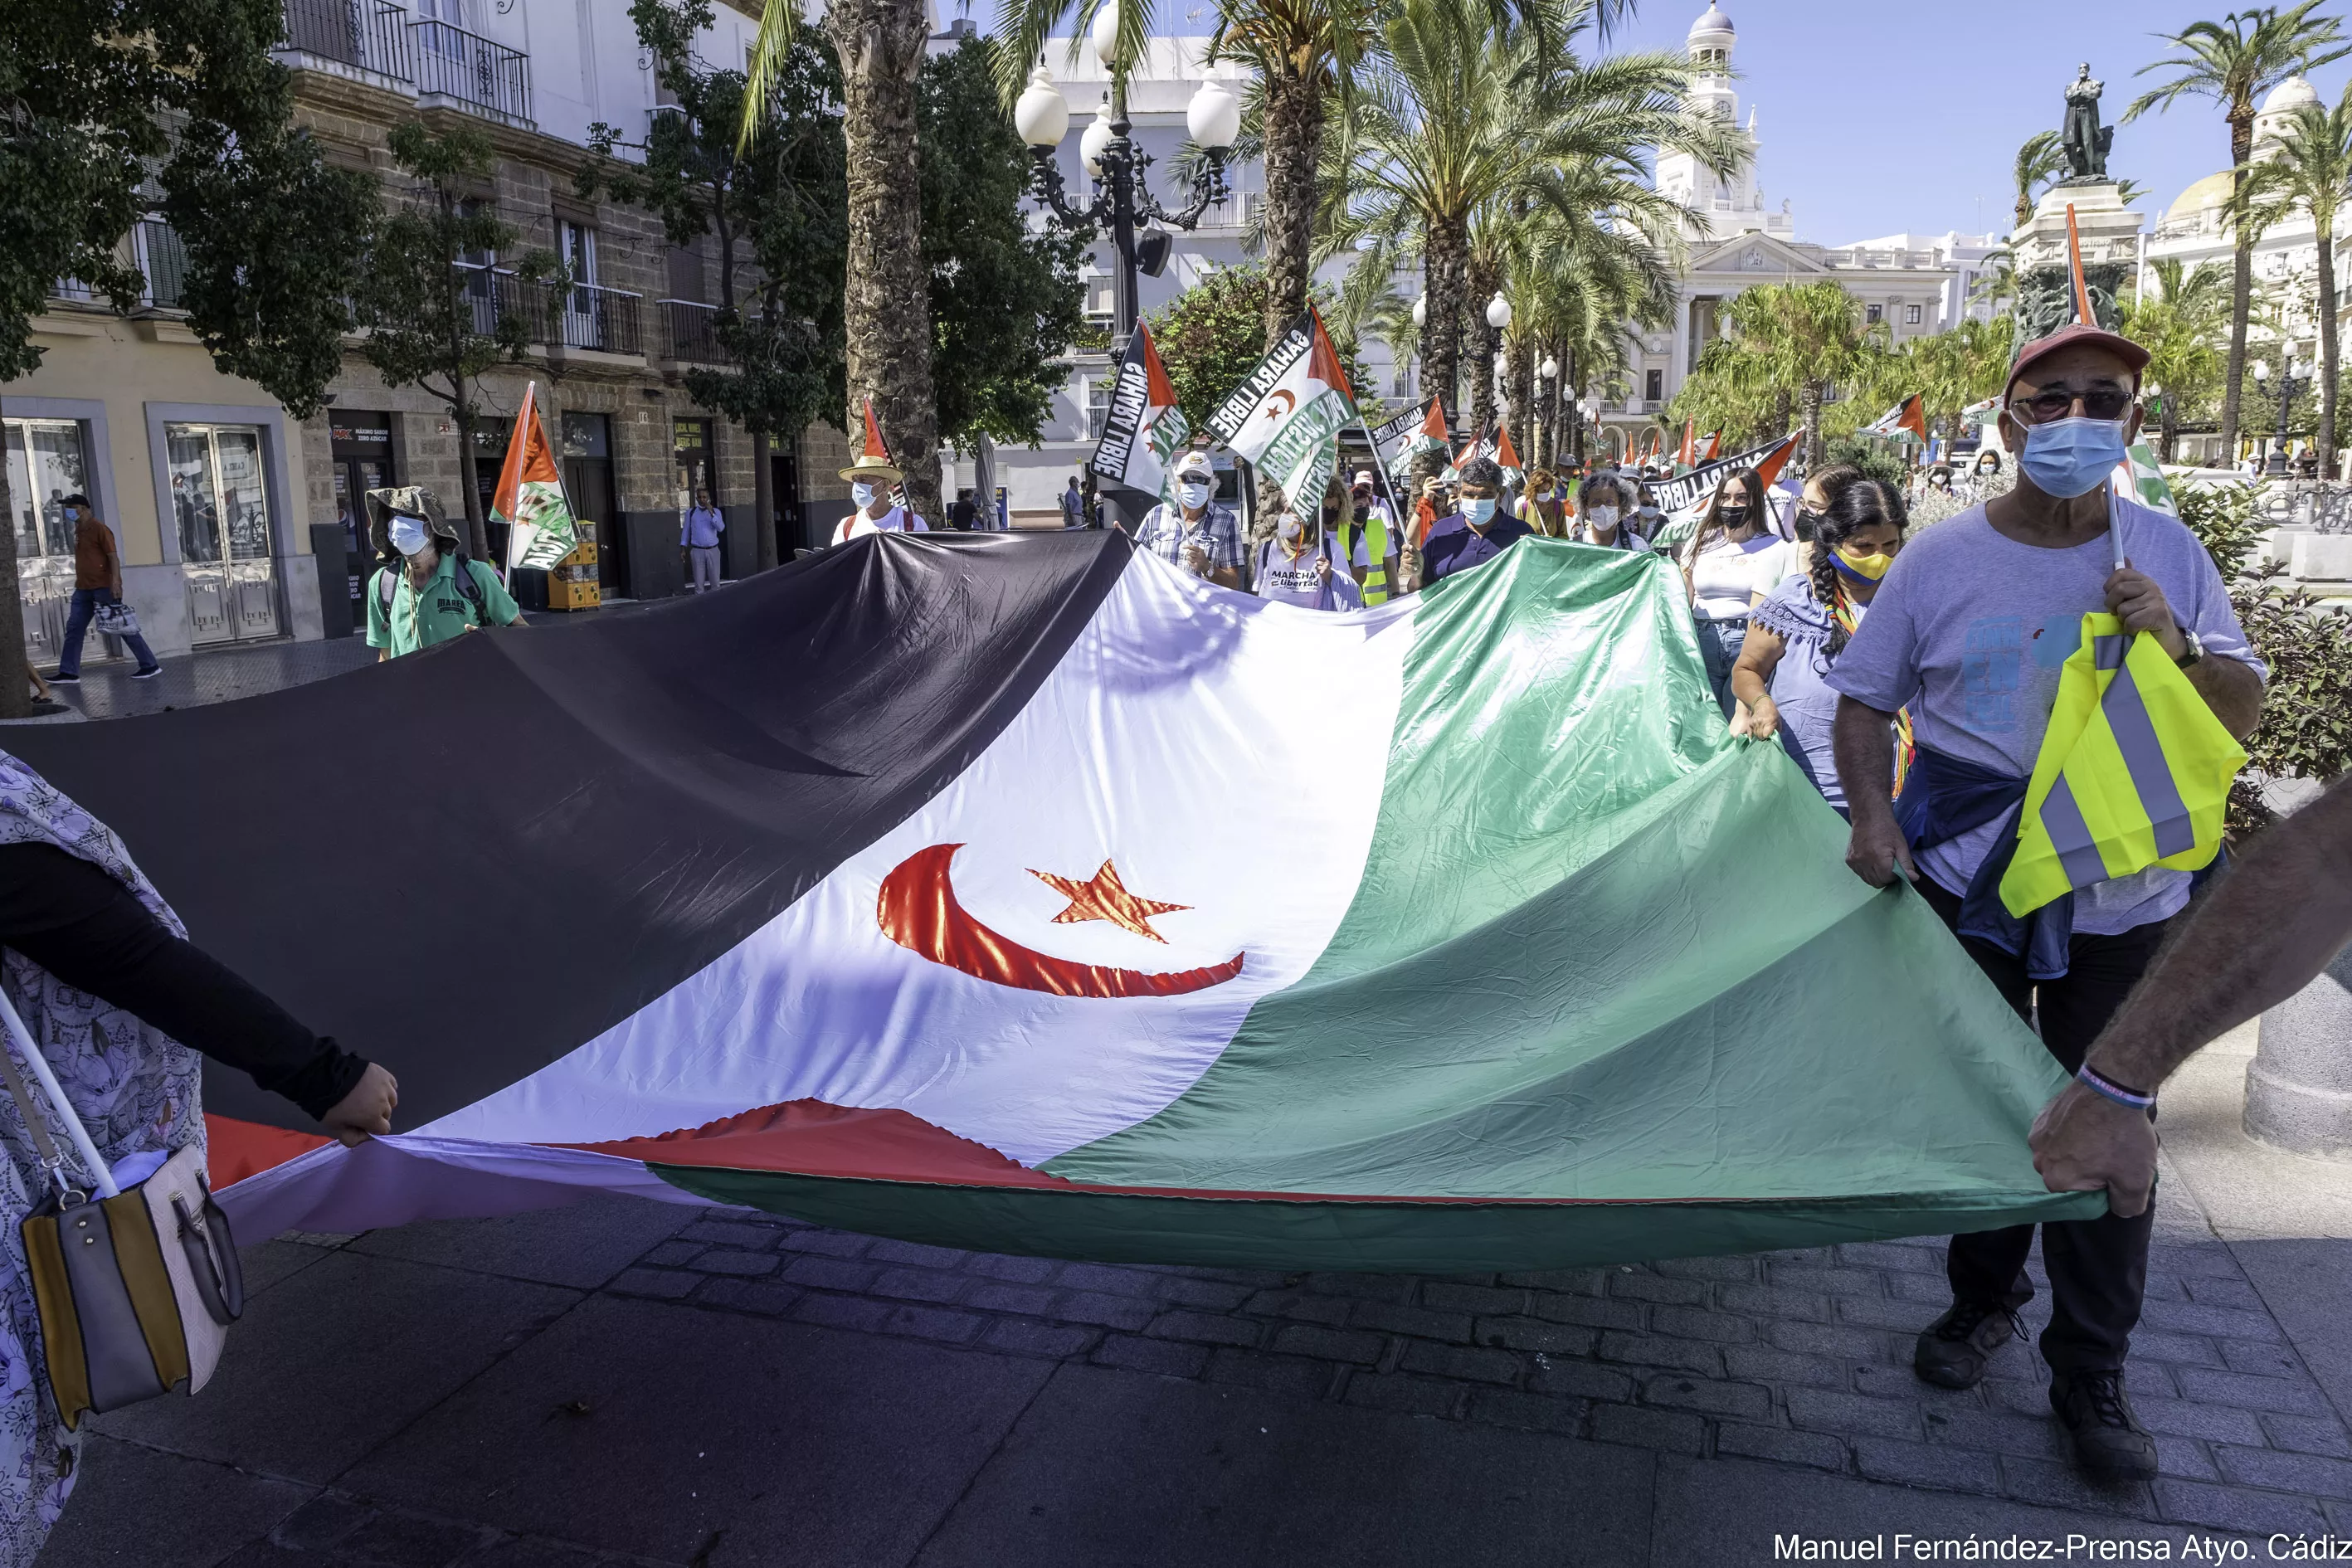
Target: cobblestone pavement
{"type": "Point", "coordinates": [213, 675]}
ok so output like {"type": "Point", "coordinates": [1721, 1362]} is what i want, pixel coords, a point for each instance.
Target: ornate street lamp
{"type": "Point", "coordinates": [2293, 378]}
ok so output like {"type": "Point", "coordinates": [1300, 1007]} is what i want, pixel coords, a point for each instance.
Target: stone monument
{"type": "Point", "coordinates": [2299, 1085]}
{"type": "Point", "coordinates": [2109, 231]}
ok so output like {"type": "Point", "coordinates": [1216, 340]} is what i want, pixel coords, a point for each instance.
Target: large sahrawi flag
{"type": "Point", "coordinates": [1145, 427]}
{"type": "Point", "coordinates": [529, 495]}
{"type": "Point", "coordinates": [1549, 968]}
{"type": "Point", "coordinates": [1286, 417]}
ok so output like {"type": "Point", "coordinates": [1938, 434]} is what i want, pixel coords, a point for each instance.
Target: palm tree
{"type": "Point", "coordinates": [1457, 123]}
{"type": "Point", "coordinates": [1790, 341]}
{"type": "Point", "coordinates": [2234, 61]}
{"type": "Point", "coordinates": [2312, 170]}
{"type": "Point", "coordinates": [2180, 323]}
{"type": "Point", "coordinates": [2039, 162]}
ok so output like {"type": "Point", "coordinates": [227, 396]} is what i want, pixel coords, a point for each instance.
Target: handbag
{"type": "Point", "coordinates": [116, 619]}
{"type": "Point", "coordinates": [135, 1285]}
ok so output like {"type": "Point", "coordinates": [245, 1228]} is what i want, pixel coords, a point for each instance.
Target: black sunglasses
{"type": "Point", "coordinates": [2058, 402]}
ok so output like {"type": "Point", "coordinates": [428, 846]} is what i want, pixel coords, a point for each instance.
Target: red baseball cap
{"type": "Point", "coordinates": [2075, 334]}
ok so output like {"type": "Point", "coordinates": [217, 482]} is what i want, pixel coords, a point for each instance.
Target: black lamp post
{"type": "Point", "coordinates": [2289, 385]}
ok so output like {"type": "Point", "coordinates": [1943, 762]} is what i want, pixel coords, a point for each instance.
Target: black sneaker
{"type": "Point", "coordinates": [150, 673]}
{"type": "Point", "coordinates": [1953, 1350]}
{"type": "Point", "coordinates": [59, 677]}
{"type": "Point", "coordinates": [2110, 1445]}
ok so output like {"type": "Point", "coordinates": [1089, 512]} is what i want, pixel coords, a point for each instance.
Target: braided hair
{"type": "Point", "coordinates": [1858, 504]}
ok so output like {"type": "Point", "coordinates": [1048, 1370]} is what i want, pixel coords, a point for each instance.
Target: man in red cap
{"type": "Point", "coordinates": [1968, 631]}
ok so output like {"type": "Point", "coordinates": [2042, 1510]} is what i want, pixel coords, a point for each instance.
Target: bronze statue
{"type": "Point", "coordinates": [2081, 139]}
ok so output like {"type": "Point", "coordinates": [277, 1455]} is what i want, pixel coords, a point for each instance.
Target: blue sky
{"type": "Point", "coordinates": [1878, 118]}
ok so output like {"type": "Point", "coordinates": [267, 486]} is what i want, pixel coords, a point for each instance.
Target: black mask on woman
{"type": "Point", "coordinates": [1808, 523]}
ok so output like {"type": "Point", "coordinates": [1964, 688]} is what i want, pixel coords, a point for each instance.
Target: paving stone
{"type": "Point", "coordinates": [1498, 1366]}
{"type": "Point", "coordinates": [2285, 1395]}
{"type": "Point", "coordinates": [1575, 1281]}
{"type": "Point", "coordinates": [1665, 1430]}
{"type": "Point", "coordinates": [1827, 1339]}
{"type": "Point", "coordinates": [1477, 1300]}
{"type": "Point", "coordinates": [1818, 1449]}
{"type": "Point", "coordinates": [1207, 1295]}
{"type": "Point", "coordinates": [1023, 1337]}
{"type": "Point", "coordinates": [828, 1243]}
{"type": "Point", "coordinates": [1642, 1286]}
{"type": "Point", "coordinates": [1529, 1334]}
{"type": "Point", "coordinates": [2187, 1418]}
{"type": "Point", "coordinates": [2214, 1293]}
{"type": "Point", "coordinates": [1816, 1280]}
{"type": "Point", "coordinates": [1395, 1287]}
{"type": "Point", "coordinates": [1755, 1363]}
{"type": "Point", "coordinates": [1892, 1254]}
{"type": "Point", "coordinates": [1162, 1356]}
{"type": "Point", "coordinates": [1880, 1381]}
{"type": "Point", "coordinates": [2310, 1474]}
{"type": "Point", "coordinates": [2183, 1456]}
{"type": "Point", "coordinates": [2228, 1507]}
{"type": "Point", "coordinates": [1883, 1313]}
{"type": "Point", "coordinates": [321, 1522]}
{"type": "Point", "coordinates": [1930, 1290]}
{"type": "Point", "coordinates": [730, 1233]}
{"type": "Point", "coordinates": [923, 1284]}
{"type": "Point", "coordinates": [1770, 1302]}
{"type": "Point", "coordinates": [1747, 1401]}
{"type": "Point", "coordinates": [2309, 1434]}
{"type": "Point", "coordinates": [856, 1312]}
{"type": "Point", "coordinates": [671, 1255]}
{"type": "Point", "coordinates": [2202, 1260]}
{"type": "Point", "coordinates": [1927, 1465]}
{"type": "Point", "coordinates": [406, 1540]}
{"type": "Point", "coordinates": [2223, 1322]}
{"type": "Point", "coordinates": [1206, 1327]}
{"type": "Point", "coordinates": [1328, 1344]}
{"type": "Point", "coordinates": [1281, 1374]}
{"type": "Point", "coordinates": [1822, 1410]}
{"type": "Point", "coordinates": [830, 1273]}
{"type": "Point", "coordinates": [920, 1254]}
{"type": "Point", "coordinates": [1996, 1432]}
{"type": "Point", "coordinates": [1018, 1271]}
{"type": "Point", "coordinates": [742, 1264]}
{"type": "Point", "coordinates": [1515, 1408]}
{"type": "Point", "coordinates": [1696, 1323]}
{"type": "Point", "coordinates": [1730, 1270]}
{"type": "Point", "coordinates": [2057, 1484]}
{"type": "Point", "coordinates": [667, 1285]}
{"type": "Point", "coordinates": [1331, 1311]}
{"type": "Point", "coordinates": [2180, 1349]}
{"type": "Point", "coordinates": [1388, 1317]}
{"type": "Point", "coordinates": [1413, 1396]}
{"type": "Point", "coordinates": [1110, 1282]}
{"type": "Point", "coordinates": [1110, 1311]}
{"type": "Point", "coordinates": [1579, 1379]}
{"type": "Point", "coordinates": [1648, 1350]}
{"type": "Point", "coordinates": [763, 1296]}
{"type": "Point", "coordinates": [2254, 1359]}
{"type": "Point", "coordinates": [1036, 1299]}
{"type": "Point", "coordinates": [1586, 1312]}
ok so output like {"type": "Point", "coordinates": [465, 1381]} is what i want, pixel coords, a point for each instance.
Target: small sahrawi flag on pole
{"type": "Point", "coordinates": [1140, 439]}
{"type": "Point", "coordinates": [529, 497]}
{"type": "Point", "coordinates": [1908, 415]}
{"type": "Point", "coordinates": [1407, 436]}
{"type": "Point", "coordinates": [1286, 417]}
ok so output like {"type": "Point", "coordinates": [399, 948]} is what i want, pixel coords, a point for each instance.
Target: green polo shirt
{"type": "Point", "coordinates": [441, 612]}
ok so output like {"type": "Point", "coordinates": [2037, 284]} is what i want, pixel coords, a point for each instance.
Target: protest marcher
{"type": "Point", "coordinates": [1545, 507]}
{"type": "Point", "coordinates": [1347, 544]}
{"type": "Point", "coordinates": [2271, 924]}
{"type": "Point", "coordinates": [1796, 634]}
{"type": "Point", "coordinates": [118, 1003]}
{"type": "Point", "coordinates": [1370, 532]}
{"type": "Point", "coordinates": [426, 590]}
{"type": "Point", "coordinates": [1196, 534]}
{"type": "Point", "coordinates": [1646, 515]}
{"type": "Point", "coordinates": [1732, 561]}
{"type": "Point", "coordinates": [871, 480]}
{"type": "Point", "coordinates": [1969, 633]}
{"type": "Point", "coordinates": [1602, 516]}
{"type": "Point", "coordinates": [1074, 505]}
{"type": "Point", "coordinates": [1300, 563]}
{"type": "Point", "coordinates": [701, 533]}
{"type": "Point", "coordinates": [97, 583]}
{"type": "Point", "coordinates": [1475, 533]}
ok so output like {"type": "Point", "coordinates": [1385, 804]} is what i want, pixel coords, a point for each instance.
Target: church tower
{"type": "Point", "coordinates": [1726, 205]}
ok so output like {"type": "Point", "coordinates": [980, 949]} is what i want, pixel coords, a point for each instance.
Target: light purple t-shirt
{"type": "Point", "coordinates": [1296, 582]}
{"type": "Point", "coordinates": [1969, 630]}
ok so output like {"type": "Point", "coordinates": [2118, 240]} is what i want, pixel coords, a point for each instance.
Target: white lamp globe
{"type": "Point", "coordinates": [1042, 114]}
{"type": "Point", "coordinates": [1498, 311]}
{"type": "Point", "coordinates": [1105, 35]}
{"type": "Point", "coordinates": [1097, 137]}
{"type": "Point", "coordinates": [2262, 370]}
{"type": "Point", "coordinates": [1549, 368]}
{"type": "Point", "coordinates": [1421, 311]}
{"type": "Point", "coordinates": [1214, 117]}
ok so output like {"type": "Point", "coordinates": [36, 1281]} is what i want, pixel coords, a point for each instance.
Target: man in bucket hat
{"type": "Point", "coordinates": [1968, 632]}
{"type": "Point", "coordinates": [426, 592]}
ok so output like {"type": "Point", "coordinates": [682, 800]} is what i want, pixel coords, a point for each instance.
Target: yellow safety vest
{"type": "Point", "coordinates": [1376, 547]}
{"type": "Point", "coordinates": [2135, 771]}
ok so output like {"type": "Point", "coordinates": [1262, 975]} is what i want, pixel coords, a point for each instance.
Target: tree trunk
{"type": "Point", "coordinates": [1523, 399]}
{"type": "Point", "coordinates": [1294, 139]}
{"type": "Point", "coordinates": [2168, 426]}
{"type": "Point", "coordinates": [1783, 404]}
{"type": "Point", "coordinates": [469, 481]}
{"type": "Point", "coordinates": [886, 306]}
{"type": "Point", "coordinates": [1481, 287]}
{"type": "Point", "coordinates": [2242, 287]}
{"type": "Point", "coordinates": [764, 503]}
{"type": "Point", "coordinates": [16, 669]}
{"type": "Point", "coordinates": [1443, 261]}
{"type": "Point", "coordinates": [2326, 432]}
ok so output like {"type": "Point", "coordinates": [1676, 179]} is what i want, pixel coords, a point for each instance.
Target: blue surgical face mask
{"type": "Point", "coordinates": [861, 493]}
{"type": "Point", "coordinates": [407, 535]}
{"type": "Point", "coordinates": [1477, 509]}
{"type": "Point", "coordinates": [2068, 457]}
{"type": "Point", "coordinates": [1192, 492]}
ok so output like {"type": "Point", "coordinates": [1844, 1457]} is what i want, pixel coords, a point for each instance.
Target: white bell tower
{"type": "Point", "coordinates": [1726, 205]}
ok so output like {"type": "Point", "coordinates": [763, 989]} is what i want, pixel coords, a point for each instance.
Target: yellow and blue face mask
{"type": "Point", "coordinates": [1863, 569]}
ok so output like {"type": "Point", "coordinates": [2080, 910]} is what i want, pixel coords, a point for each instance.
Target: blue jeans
{"type": "Point", "coordinates": [1719, 644]}
{"type": "Point", "coordinates": [86, 602]}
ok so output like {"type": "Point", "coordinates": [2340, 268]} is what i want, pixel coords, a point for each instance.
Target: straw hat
{"type": "Point", "coordinates": [874, 463]}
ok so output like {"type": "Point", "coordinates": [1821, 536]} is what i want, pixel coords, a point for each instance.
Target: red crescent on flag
{"type": "Point", "coordinates": [1282, 393]}
{"type": "Point", "coordinates": [917, 909]}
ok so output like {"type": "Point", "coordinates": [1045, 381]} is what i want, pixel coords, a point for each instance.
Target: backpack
{"type": "Point", "coordinates": [469, 588]}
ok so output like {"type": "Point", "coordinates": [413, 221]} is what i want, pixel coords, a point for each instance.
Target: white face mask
{"type": "Point", "coordinates": [861, 493]}
{"type": "Point", "coordinates": [408, 535]}
{"type": "Point", "coordinates": [1602, 516]}
{"type": "Point", "coordinates": [1192, 493]}
{"type": "Point", "coordinates": [1291, 528]}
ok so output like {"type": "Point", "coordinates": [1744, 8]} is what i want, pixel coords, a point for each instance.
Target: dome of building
{"type": "Point", "coordinates": [2288, 96]}
{"type": "Point", "coordinates": [1715, 22]}
{"type": "Point", "coordinates": [1711, 37]}
{"type": "Point", "coordinates": [2211, 191]}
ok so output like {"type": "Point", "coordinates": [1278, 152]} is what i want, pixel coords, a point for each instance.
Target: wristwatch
{"type": "Point", "coordinates": [2196, 649]}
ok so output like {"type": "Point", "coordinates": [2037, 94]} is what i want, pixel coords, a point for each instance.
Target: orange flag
{"type": "Point", "coordinates": [529, 497]}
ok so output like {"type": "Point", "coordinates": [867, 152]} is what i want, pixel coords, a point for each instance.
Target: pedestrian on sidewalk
{"type": "Point", "coordinates": [1074, 505]}
{"type": "Point", "coordinates": [426, 592]}
{"type": "Point", "coordinates": [1969, 632]}
{"type": "Point", "coordinates": [98, 584]}
{"type": "Point", "coordinates": [118, 1003]}
{"type": "Point", "coordinates": [701, 533]}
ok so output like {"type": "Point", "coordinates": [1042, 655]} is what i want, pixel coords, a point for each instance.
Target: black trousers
{"type": "Point", "coordinates": [2099, 1268]}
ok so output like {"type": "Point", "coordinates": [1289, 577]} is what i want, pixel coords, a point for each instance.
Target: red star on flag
{"type": "Point", "coordinates": [1105, 898]}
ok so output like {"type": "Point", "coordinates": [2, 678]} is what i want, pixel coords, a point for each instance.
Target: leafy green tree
{"type": "Point", "coordinates": [777, 210]}
{"type": "Point", "coordinates": [1006, 304]}
{"type": "Point", "coordinates": [197, 107]}
{"type": "Point", "coordinates": [438, 313]}
{"type": "Point", "coordinates": [2039, 163]}
{"type": "Point", "coordinates": [1786, 343]}
{"type": "Point", "coordinates": [2312, 170]}
{"type": "Point", "coordinates": [2180, 323]}
{"type": "Point", "coordinates": [2234, 62]}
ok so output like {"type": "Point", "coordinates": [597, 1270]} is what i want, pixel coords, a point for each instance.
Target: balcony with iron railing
{"type": "Point", "coordinates": [689, 333]}
{"type": "Point", "coordinates": [580, 318]}
{"type": "Point", "coordinates": [161, 256]}
{"type": "Point", "coordinates": [473, 72]}
{"type": "Point", "coordinates": [367, 37]}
